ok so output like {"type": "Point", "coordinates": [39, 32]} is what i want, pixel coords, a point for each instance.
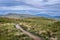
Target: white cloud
{"type": "Point", "coordinates": [34, 2]}
{"type": "Point", "coordinates": [44, 6]}
{"type": "Point", "coordinates": [22, 7]}
{"type": "Point", "coordinates": [53, 1]}
{"type": "Point", "coordinates": [41, 2]}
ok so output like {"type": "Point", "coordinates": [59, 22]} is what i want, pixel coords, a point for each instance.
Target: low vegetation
{"type": "Point", "coordinates": [43, 27]}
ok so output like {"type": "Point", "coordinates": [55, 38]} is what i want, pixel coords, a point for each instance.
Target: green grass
{"type": "Point", "coordinates": [9, 32]}
{"type": "Point", "coordinates": [42, 27]}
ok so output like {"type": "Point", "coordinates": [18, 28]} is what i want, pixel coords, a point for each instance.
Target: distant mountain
{"type": "Point", "coordinates": [57, 17]}
{"type": "Point", "coordinates": [44, 15]}
{"type": "Point", "coordinates": [49, 16]}
{"type": "Point", "coordinates": [15, 15]}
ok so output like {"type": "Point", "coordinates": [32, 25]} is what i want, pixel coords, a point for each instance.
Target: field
{"type": "Point", "coordinates": [40, 26]}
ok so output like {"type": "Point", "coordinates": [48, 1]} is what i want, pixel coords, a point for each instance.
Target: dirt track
{"type": "Point", "coordinates": [28, 33]}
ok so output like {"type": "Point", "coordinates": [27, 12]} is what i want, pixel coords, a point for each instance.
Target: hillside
{"type": "Point", "coordinates": [15, 15]}
{"type": "Point", "coordinates": [42, 27]}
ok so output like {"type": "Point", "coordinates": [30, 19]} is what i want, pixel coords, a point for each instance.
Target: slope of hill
{"type": "Point", "coordinates": [42, 27]}
{"type": "Point", "coordinates": [15, 15]}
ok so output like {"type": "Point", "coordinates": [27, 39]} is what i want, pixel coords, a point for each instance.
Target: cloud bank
{"type": "Point", "coordinates": [31, 6]}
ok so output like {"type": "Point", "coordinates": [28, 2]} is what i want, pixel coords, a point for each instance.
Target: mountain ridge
{"type": "Point", "coordinates": [15, 15]}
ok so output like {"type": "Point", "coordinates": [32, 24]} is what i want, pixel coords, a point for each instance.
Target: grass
{"type": "Point", "coordinates": [9, 32]}
{"type": "Point", "coordinates": [42, 27]}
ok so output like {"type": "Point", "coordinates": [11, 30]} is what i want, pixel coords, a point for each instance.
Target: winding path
{"type": "Point", "coordinates": [28, 33]}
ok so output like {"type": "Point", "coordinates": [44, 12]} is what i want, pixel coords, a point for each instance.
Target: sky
{"type": "Point", "coordinates": [51, 7]}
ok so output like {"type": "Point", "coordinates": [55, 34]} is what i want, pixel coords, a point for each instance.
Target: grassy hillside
{"type": "Point", "coordinates": [42, 27]}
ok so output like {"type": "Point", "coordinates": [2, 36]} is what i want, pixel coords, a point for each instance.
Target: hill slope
{"type": "Point", "coordinates": [15, 15]}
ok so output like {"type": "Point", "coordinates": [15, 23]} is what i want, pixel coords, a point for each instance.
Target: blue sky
{"type": "Point", "coordinates": [51, 7]}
